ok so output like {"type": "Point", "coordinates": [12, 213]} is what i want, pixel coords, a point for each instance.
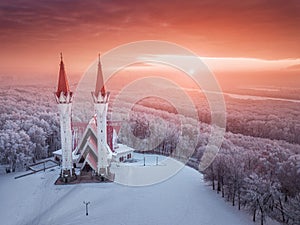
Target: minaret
{"type": "Point", "coordinates": [101, 97]}
{"type": "Point", "coordinates": [63, 97]}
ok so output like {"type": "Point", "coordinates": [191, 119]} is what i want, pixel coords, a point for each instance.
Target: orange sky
{"type": "Point", "coordinates": [33, 33]}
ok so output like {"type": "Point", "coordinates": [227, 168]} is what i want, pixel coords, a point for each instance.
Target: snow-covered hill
{"type": "Point", "coordinates": [182, 199]}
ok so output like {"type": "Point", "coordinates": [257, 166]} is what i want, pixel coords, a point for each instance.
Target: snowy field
{"type": "Point", "coordinates": [182, 199]}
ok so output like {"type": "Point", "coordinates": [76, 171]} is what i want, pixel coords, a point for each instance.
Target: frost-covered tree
{"type": "Point", "coordinates": [29, 125]}
{"type": "Point", "coordinates": [259, 196]}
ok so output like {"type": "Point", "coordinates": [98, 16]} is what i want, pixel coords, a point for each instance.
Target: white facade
{"type": "Point", "coordinates": [64, 107]}
{"type": "Point", "coordinates": [104, 151]}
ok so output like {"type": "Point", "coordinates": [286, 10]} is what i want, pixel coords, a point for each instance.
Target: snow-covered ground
{"type": "Point", "coordinates": [156, 169]}
{"type": "Point", "coordinates": [182, 199]}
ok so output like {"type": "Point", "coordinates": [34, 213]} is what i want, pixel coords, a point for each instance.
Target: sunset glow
{"type": "Point", "coordinates": [150, 112]}
{"type": "Point", "coordinates": [251, 35]}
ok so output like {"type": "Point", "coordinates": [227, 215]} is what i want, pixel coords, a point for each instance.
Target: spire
{"type": "Point", "coordinates": [99, 84]}
{"type": "Point", "coordinates": [63, 85]}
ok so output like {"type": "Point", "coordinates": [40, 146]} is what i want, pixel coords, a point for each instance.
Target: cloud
{"type": "Point", "coordinates": [294, 67]}
{"type": "Point", "coordinates": [256, 28]}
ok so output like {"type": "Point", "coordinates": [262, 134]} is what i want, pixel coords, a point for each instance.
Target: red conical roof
{"type": "Point", "coordinates": [100, 83]}
{"type": "Point", "coordinates": [63, 85]}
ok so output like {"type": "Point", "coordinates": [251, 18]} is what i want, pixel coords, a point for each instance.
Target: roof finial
{"type": "Point", "coordinates": [61, 56]}
{"type": "Point", "coordinates": [99, 57]}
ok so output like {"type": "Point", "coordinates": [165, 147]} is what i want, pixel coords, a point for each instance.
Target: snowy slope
{"type": "Point", "coordinates": [182, 199]}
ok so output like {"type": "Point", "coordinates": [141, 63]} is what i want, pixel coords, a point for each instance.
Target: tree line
{"type": "Point", "coordinates": [257, 174]}
{"type": "Point", "coordinates": [29, 126]}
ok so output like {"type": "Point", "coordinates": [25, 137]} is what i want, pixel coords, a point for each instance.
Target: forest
{"type": "Point", "coordinates": [256, 169]}
{"type": "Point", "coordinates": [29, 126]}
{"type": "Point", "coordinates": [254, 173]}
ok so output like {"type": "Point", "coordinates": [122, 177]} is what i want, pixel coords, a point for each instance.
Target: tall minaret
{"type": "Point", "coordinates": [63, 97]}
{"type": "Point", "coordinates": [100, 97]}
